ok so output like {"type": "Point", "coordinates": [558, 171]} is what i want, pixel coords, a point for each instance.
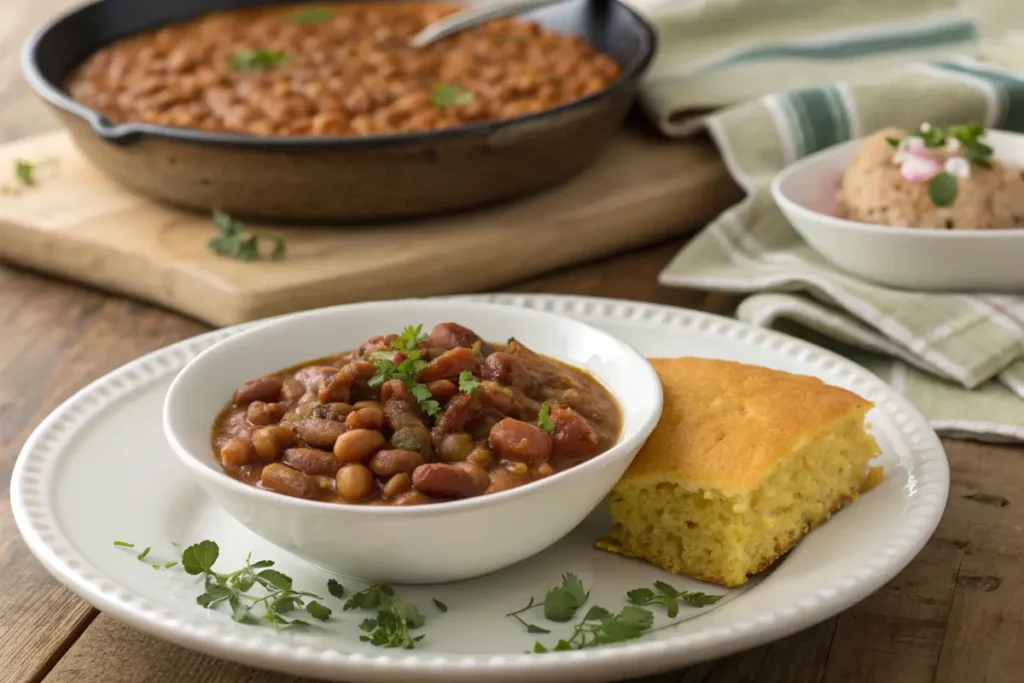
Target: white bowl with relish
{"type": "Point", "coordinates": [434, 455]}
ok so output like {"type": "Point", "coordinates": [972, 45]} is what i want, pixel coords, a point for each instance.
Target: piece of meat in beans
{"type": "Point", "coordinates": [520, 441]}
{"type": "Point", "coordinates": [455, 416]}
{"type": "Point", "coordinates": [339, 386]}
{"type": "Point", "coordinates": [263, 389]}
{"type": "Point", "coordinates": [370, 416]}
{"type": "Point", "coordinates": [573, 436]}
{"type": "Point", "coordinates": [504, 368]}
{"type": "Point", "coordinates": [442, 480]}
{"type": "Point", "coordinates": [311, 461]}
{"type": "Point", "coordinates": [449, 364]}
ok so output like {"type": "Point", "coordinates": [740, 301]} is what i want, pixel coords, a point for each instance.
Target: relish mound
{"type": "Point", "coordinates": [874, 190]}
{"type": "Point", "coordinates": [744, 462]}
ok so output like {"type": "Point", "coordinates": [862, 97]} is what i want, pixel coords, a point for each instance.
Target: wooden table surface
{"type": "Point", "coordinates": [955, 615]}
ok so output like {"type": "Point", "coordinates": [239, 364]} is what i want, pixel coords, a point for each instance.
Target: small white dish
{"type": "Point", "coordinates": [906, 258]}
{"type": "Point", "coordinates": [435, 543]}
{"type": "Point", "coordinates": [70, 509]}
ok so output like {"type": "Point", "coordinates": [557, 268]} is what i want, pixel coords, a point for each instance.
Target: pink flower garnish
{"type": "Point", "coordinates": [919, 169]}
{"type": "Point", "coordinates": [958, 167]}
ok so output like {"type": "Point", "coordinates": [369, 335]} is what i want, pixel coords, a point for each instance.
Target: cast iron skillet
{"type": "Point", "coordinates": [333, 178]}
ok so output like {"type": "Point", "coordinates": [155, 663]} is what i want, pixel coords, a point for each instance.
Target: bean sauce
{"type": "Point", "coordinates": [414, 418]}
{"type": "Point", "coordinates": [335, 70]}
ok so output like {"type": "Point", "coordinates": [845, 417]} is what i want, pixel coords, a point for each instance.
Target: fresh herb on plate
{"type": "Point", "coordinates": [235, 242]}
{"type": "Point", "coordinates": [670, 598]}
{"type": "Point", "coordinates": [940, 156]}
{"type": "Point", "coordinates": [312, 15]}
{"type": "Point", "coordinates": [407, 344]}
{"type": "Point", "coordinates": [441, 607]}
{"type": "Point", "coordinates": [600, 626]}
{"type": "Point", "coordinates": [394, 621]}
{"type": "Point", "coordinates": [257, 60]}
{"type": "Point", "coordinates": [467, 383]}
{"type": "Point", "coordinates": [544, 419]}
{"type": "Point", "coordinates": [335, 588]}
{"type": "Point", "coordinates": [26, 173]}
{"type": "Point", "coordinates": [450, 95]}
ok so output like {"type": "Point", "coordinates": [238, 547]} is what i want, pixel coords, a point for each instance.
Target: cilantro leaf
{"type": "Point", "coordinates": [450, 95]}
{"type": "Point", "coordinates": [335, 588]}
{"type": "Point", "coordinates": [561, 602]}
{"type": "Point", "coordinates": [544, 419]}
{"type": "Point", "coordinates": [318, 611]}
{"type": "Point", "coordinates": [200, 558]}
{"type": "Point", "coordinates": [271, 578]}
{"type": "Point", "coordinates": [256, 60]}
{"type": "Point", "coordinates": [440, 605]}
{"type": "Point", "coordinates": [468, 384]}
{"type": "Point", "coordinates": [234, 242]}
{"type": "Point", "coordinates": [410, 338]}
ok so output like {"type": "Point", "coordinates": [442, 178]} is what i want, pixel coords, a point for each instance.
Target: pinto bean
{"type": "Point", "coordinates": [319, 433]}
{"type": "Point", "coordinates": [397, 485]}
{"type": "Point", "coordinates": [261, 414]}
{"type": "Point", "coordinates": [513, 439]}
{"type": "Point", "coordinates": [292, 390]}
{"type": "Point", "coordinates": [357, 445]}
{"type": "Point", "coordinates": [311, 375]}
{"type": "Point", "coordinates": [311, 461]}
{"type": "Point", "coordinates": [391, 462]}
{"type": "Point", "coordinates": [336, 411]}
{"type": "Point", "coordinates": [394, 390]}
{"type": "Point", "coordinates": [283, 479]}
{"type": "Point", "coordinates": [414, 437]}
{"type": "Point", "coordinates": [504, 368]}
{"type": "Point", "coordinates": [454, 447]}
{"type": "Point", "coordinates": [449, 364]}
{"type": "Point", "coordinates": [262, 389]}
{"type": "Point", "coordinates": [445, 481]}
{"type": "Point", "coordinates": [237, 452]}
{"type": "Point", "coordinates": [370, 417]}
{"type": "Point", "coordinates": [452, 335]}
{"type": "Point", "coordinates": [354, 482]}
{"type": "Point", "coordinates": [442, 390]}
{"type": "Point", "coordinates": [271, 442]}
{"type": "Point", "coordinates": [573, 437]}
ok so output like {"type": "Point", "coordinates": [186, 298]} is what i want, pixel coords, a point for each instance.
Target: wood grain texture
{"type": "Point", "coordinates": [955, 615]}
{"type": "Point", "coordinates": [77, 223]}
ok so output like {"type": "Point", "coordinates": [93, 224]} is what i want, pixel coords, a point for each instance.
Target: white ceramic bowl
{"type": "Point", "coordinates": [907, 258]}
{"type": "Point", "coordinates": [419, 544]}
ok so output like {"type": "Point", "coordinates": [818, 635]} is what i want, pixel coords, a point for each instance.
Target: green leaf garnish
{"type": "Point", "coordinates": [440, 605]}
{"type": "Point", "coordinates": [200, 558]}
{"type": "Point", "coordinates": [124, 544]}
{"type": "Point", "coordinates": [312, 15]}
{"type": "Point", "coordinates": [335, 588]}
{"type": "Point", "coordinates": [394, 621]}
{"type": "Point", "coordinates": [670, 598]}
{"type": "Point", "coordinates": [894, 142]}
{"type": "Point", "coordinates": [408, 343]}
{"type": "Point", "coordinates": [318, 611]}
{"type": "Point", "coordinates": [544, 419]}
{"type": "Point", "coordinates": [561, 602]}
{"type": "Point", "coordinates": [942, 189]}
{"type": "Point", "coordinates": [235, 242]}
{"type": "Point", "coordinates": [141, 557]}
{"type": "Point", "coordinates": [25, 171]}
{"type": "Point", "coordinates": [410, 338]}
{"type": "Point", "coordinates": [450, 95]}
{"type": "Point", "coordinates": [257, 60]}
{"type": "Point", "coordinates": [468, 384]}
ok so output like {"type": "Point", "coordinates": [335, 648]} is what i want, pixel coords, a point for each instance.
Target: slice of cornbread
{"type": "Point", "coordinates": [744, 462]}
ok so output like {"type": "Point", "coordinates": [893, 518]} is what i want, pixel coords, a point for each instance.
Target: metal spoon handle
{"type": "Point", "coordinates": [474, 15]}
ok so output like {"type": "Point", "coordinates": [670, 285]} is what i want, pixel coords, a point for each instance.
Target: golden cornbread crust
{"type": "Point", "coordinates": [744, 462]}
{"type": "Point", "coordinates": [725, 424]}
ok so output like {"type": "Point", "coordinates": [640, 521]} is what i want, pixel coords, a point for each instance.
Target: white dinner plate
{"type": "Point", "coordinates": [98, 470]}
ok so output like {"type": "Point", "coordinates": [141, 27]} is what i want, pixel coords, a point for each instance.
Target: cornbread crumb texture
{"type": "Point", "coordinates": [744, 461]}
{"type": "Point", "coordinates": [874, 191]}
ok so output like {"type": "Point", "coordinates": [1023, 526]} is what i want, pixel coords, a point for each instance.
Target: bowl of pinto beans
{"type": "Point", "coordinates": [359, 437]}
{"type": "Point", "coordinates": [284, 111]}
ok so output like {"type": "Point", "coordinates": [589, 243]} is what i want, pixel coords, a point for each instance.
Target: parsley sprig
{"type": "Point", "coordinates": [408, 343]}
{"type": "Point", "coordinates": [468, 384]}
{"type": "Point", "coordinates": [599, 625]}
{"type": "Point", "coordinates": [312, 15]}
{"type": "Point", "coordinates": [257, 60]}
{"type": "Point", "coordinates": [450, 95]}
{"type": "Point", "coordinates": [394, 621]}
{"type": "Point", "coordinates": [235, 242]}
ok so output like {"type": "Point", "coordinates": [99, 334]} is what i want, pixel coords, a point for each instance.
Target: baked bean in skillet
{"type": "Point", "coordinates": [343, 69]}
{"type": "Point", "coordinates": [414, 419]}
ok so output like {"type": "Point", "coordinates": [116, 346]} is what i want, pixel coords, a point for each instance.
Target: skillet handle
{"type": "Point", "coordinates": [475, 15]}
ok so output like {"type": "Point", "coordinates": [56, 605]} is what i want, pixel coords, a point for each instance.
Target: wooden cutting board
{"type": "Point", "coordinates": [76, 223]}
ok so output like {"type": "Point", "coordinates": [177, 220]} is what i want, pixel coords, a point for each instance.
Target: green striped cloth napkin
{"type": "Point", "coordinates": [814, 74]}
